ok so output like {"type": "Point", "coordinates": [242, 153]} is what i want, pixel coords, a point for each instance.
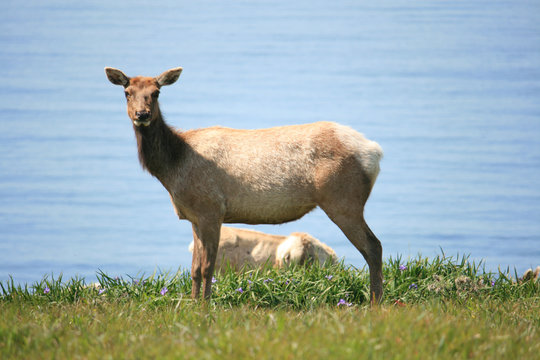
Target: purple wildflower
{"type": "Point", "coordinates": [240, 290]}
{"type": "Point", "coordinates": [402, 267]}
{"type": "Point", "coordinates": [343, 302]}
{"type": "Point", "coordinates": [329, 277]}
{"type": "Point", "coordinates": [214, 280]}
{"type": "Point", "coordinates": [101, 291]}
{"type": "Point", "coordinates": [268, 280]}
{"type": "Point", "coordinates": [492, 282]}
{"type": "Point", "coordinates": [250, 282]}
{"type": "Point", "coordinates": [413, 286]}
{"type": "Point", "coordinates": [164, 290]}
{"type": "Point", "coordinates": [47, 290]}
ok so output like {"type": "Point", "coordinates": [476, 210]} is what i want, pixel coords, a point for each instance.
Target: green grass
{"type": "Point", "coordinates": [438, 308]}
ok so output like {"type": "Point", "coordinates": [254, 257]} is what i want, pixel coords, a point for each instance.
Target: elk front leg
{"type": "Point", "coordinates": [208, 233]}
{"type": "Point", "coordinates": [196, 276]}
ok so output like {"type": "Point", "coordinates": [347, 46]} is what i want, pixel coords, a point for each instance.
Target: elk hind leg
{"type": "Point", "coordinates": [354, 226]}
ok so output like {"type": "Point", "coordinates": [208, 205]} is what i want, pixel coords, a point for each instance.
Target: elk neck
{"type": "Point", "coordinates": [160, 147]}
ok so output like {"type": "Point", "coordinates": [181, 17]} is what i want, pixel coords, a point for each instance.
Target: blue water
{"type": "Point", "coordinates": [451, 91]}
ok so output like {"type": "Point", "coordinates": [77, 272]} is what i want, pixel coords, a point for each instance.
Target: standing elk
{"type": "Point", "coordinates": [220, 175]}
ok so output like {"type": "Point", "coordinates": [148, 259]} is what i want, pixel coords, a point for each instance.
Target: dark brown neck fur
{"type": "Point", "coordinates": [160, 148]}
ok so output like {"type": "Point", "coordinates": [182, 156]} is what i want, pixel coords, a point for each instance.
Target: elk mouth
{"type": "Point", "coordinates": [139, 123]}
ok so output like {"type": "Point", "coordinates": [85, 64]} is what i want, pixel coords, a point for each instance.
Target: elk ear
{"type": "Point", "coordinates": [169, 77]}
{"type": "Point", "coordinates": [117, 77]}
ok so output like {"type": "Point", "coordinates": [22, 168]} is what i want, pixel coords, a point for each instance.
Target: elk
{"type": "Point", "coordinates": [221, 175]}
{"type": "Point", "coordinates": [241, 248]}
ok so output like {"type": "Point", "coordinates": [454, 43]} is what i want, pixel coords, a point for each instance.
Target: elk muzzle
{"type": "Point", "coordinates": [142, 118]}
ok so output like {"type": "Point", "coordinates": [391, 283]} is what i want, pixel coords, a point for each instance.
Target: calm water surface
{"type": "Point", "coordinates": [450, 90]}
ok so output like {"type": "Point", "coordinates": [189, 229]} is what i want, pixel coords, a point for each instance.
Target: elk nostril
{"type": "Point", "coordinates": [142, 115]}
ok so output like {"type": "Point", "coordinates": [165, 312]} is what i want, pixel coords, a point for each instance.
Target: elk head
{"type": "Point", "coordinates": [142, 93]}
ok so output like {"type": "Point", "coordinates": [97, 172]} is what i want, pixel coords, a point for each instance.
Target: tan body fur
{"type": "Point", "coordinates": [264, 169]}
{"type": "Point", "coordinates": [221, 175]}
{"type": "Point", "coordinates": [242, 247]}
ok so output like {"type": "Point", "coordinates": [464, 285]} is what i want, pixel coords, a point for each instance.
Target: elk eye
{"type": "Point", "coordinates": [127, 95]}
{"type": "Point", "coordinates": [155, 94]}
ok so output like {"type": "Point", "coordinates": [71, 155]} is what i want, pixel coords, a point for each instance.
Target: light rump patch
{"type": "Point", "coordinates": [367, 152]}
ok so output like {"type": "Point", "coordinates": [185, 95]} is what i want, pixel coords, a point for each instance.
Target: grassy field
{"type": "Point", "coordinates": [438, 308]}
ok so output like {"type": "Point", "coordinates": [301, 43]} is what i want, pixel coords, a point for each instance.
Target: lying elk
{"type": "Point", "coordinates": [270, 176]}
{"type": "Point", "coordinates": [240, 248]}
